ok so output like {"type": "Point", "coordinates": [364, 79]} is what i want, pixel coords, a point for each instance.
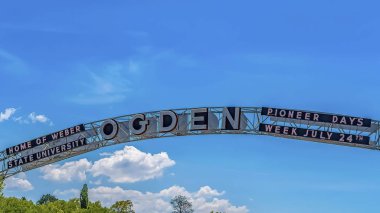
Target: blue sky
{"type": "Point", "coordinates": [79, 61]}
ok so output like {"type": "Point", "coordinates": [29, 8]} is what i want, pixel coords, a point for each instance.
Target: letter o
{"type": "Point", "coordinates": [109, 129]}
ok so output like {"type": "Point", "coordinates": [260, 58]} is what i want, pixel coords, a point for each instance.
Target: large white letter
{"type": "Point", "coordinates": [199, 119]}
{"type": "Point", "coordinates": [231, 122]}
{"type": "Point", "coordinates": [168, 121]}
{"type": "Point", "coordinates": [138, 124]}
{"type": "Point", "coordinates": [109, 129]}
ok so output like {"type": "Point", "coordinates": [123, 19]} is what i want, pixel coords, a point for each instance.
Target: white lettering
{"type": "Point", "coordinates": [277, 130]}
{"type": "Point", "coordinates": [360, 122]}
{"type": "Point", "coordinates": [23, 146]}
{"type": "Point", "coordinates": [173, 117]}
{"type": "Point", "coordinates": [290, 114]}
{"type": "Point", "coordinates": [294, 131]}
{"type": "Point", "coordinates": [44, 154]}
{"type": "Point", "coordinates": [10, 150]}
{"type": "Point", "coordinates": [138, 124]}
{"type": "Point", "coordinates": [38, 141]}
{"type": "Point", "coordinates": [343, 121]}
{"type": "Point", "coordinates": [196, 119]}
{"type": "Point", "coordinates": [299, 115]}
{"type": "Point", "coordinates": [321, 136]}
{"type": "Point", "coordinates": [316, 117]}
{"type": "Point", "coordinates": [234, 121]}
{"type": "Point", "coordinates": [268, 128]}
{"type": "Point", "coordinates": [54, 136]}
{"type": "Point", "coordinates": [286, 130]}
{"type": "Point", "coordinates": [63, 148]}
{"type": "Point", "coordinates": [329, 135]}
{"type": "Point", "coordinates": [307, 116]}
{"type": "Point", "coordinates": [352, 120]}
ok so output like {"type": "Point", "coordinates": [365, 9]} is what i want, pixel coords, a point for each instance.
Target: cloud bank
{"type": "Point", "coordinates": [124, 166]}
{"type": "Point", "coordinates": [204, 200]}
{"type": "Point", "coordinates": [8, 112]}
{"type": "Point", "coordinates": [18, 182]}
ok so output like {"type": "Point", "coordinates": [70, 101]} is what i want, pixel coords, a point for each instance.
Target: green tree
{"type": "Point", "coordinates": [123, 206]}
{"type": "Point", "coordinates": [1, 185]}
{"type": "Point", "coordinates": [181, 204]}
{"type": "Point", "coordinates": [12, 204]}
{"type": "Point", "coordinates": [97, 208]}
{"type": "Point", "coordinates": [84, 197]}
{"type": "Point", "coordinates": [46, 199]}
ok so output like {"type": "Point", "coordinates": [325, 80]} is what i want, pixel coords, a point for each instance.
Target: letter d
{"type": "Point", "coordinates": [168, 121]}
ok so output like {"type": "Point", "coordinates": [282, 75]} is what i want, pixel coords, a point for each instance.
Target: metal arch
{"type": "Point", "coordinates": [251, 118]}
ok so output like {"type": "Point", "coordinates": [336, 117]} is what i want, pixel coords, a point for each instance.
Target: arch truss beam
{"type": "Point", "coordinates": [296, 124]}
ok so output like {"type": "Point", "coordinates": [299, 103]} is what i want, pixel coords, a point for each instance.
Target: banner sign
{"type": "Point", "coordinates": [45, 139]}
{"type": "Point", "coordinates": [47, 153]}
{"type": "Point", "coordinates": [316, 117]}
{"type": "Point", "coordinates": [315, 134]}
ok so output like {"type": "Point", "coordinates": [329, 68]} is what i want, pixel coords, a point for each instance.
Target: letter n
{"type": "Point", "coordinates": [231, 118]}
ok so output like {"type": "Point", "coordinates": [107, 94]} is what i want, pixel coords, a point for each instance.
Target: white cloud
{"type": "Point", "coordinates": [67, 194]}
{"type": "Point", "coordinates": [70, 171]}
{"type": "Point", "coordinates": [207, 191]}
{"type": "Point", "coordinates": [8, 112]}
{"type": "Point", "coordinates": [125, 166]}
{"type": "Point", "coordinates": [39, 118]}
{"type": "Point", "coordinates": [174, 191]}
{"type": "Point", "coordinates": [204, 200]}
{"type": "Point", "coordinates": [111, 83]}
{"type": "Point", "coordinates": [18, 182]}
{"type": "Point", "coordinates": [131, 165]}
{"type": "Point", "coordinates": [96, 182]}
{"type": "Point", "coordinates": [33, 118]}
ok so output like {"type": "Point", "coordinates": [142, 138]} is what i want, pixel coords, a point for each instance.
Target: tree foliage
{"type": "Point", "coordinates": [50, 204]}
{"type": "Point", "coordinates": [12, 204]}
{"type": "Point", "coordinates": [46, 199]}
{"type": "Point", "coordinates": [1, 185]}
{"type": "Point", "coordinates": [181, 204]}
{"type": "Point", "coordinates": [84, 197]}
{"type": "Point", "coordinates": [123, 206]}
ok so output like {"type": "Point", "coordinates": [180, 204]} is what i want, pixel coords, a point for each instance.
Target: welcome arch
{"type": "Point", "coordinates": [297, 124]}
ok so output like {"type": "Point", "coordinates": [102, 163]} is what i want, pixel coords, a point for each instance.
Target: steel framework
{"type": "Point", "coordinates": [251, 118]}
